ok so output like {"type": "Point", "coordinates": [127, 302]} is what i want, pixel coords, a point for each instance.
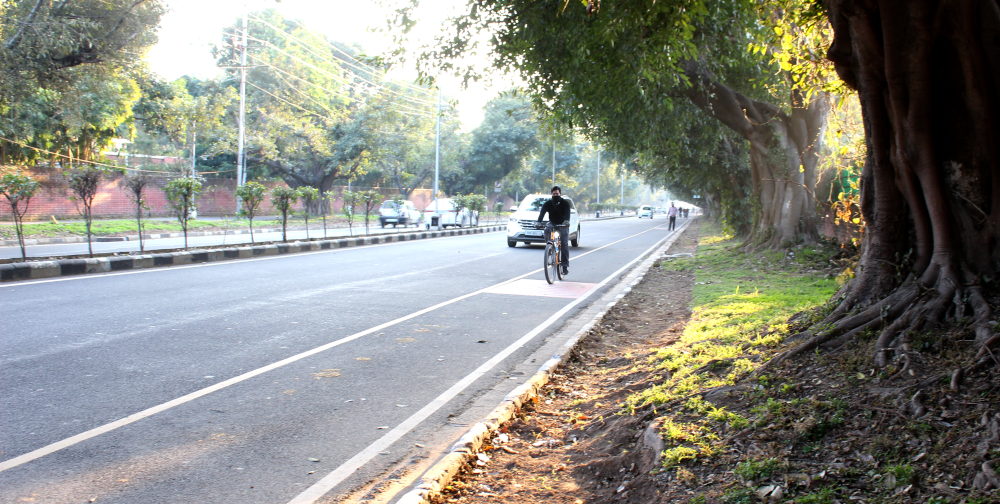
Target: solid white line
{"type": "Point", "coordinates": [228, 262]}
{"type": "Point", "coordinates": [83, 436]}
{"type": "Point", "coordinates": [338, 475]}
{"type": "Point", "coordinates": [146, 413]}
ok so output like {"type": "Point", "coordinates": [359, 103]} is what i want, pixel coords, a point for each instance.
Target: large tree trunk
{"type": "Point", "coordinates": [927, 74]}
{"type": "Point", "coordinates": [783, 157]}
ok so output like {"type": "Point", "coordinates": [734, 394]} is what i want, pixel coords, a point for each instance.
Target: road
{"type": "Point", "coordinates": [287, 379]}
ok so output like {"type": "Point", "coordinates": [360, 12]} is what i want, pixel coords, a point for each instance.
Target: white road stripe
{"type": "Point", "coordinates": [228, 262]}
{"type": "Point", "coordinates": [146, 413]}
{"type": "Point", "coordinates": [338, 475]}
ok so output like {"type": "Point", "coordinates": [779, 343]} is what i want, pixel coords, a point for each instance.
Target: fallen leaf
{"type": "Point", "coordinates": [326, 373]}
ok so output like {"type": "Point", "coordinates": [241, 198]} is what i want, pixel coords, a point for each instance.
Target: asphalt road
{"type": "Point", "coordinates": [44, 250]}
{"type": "Point", "coordinates": [287, 379]}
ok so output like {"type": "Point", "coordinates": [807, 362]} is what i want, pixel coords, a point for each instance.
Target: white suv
{"type": "Point", "coordinates": [523, 225]}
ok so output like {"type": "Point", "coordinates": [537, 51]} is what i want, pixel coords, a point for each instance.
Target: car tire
{"type": "Point", "coordinates": [575, 239]}
{"type": "Point", "coordinates": [511, 243]}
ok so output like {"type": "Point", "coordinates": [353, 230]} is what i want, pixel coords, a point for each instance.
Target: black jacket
{"type": "Point", "coordinates": [558, 211]}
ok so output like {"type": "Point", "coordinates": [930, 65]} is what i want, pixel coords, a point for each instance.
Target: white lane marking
{"type": "Point", "coordinates": [338, 475]}
{"type": "Point", "coordinates": [228, 262]}
{"type": "Point", "coordinates": [148, 412]}
{"type": "Point", "coordinates": [83, 436]}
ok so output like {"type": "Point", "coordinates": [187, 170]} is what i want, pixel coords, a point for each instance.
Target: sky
{"type": "Point", "coordinates": [190, 28]}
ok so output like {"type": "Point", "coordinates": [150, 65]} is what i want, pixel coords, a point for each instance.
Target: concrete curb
{"type": "Point", "coordinates": [441, 474]}
{"type": "Point", "coordinates": [34, 270]}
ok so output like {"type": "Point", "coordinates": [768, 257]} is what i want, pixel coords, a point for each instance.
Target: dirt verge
{"type": "Point", "coordinates": [826, 428]}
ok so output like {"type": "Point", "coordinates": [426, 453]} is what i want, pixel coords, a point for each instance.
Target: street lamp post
{"type": "Point", "coordinates": [622, 203]}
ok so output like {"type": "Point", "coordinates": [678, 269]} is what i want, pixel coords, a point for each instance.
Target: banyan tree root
{"type": "Point", "coordinates": [911, 308]}
{"type": "Point", "coordinates": [987, 478]}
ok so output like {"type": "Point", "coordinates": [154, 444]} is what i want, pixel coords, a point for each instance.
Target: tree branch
{"type": "Point", "coordinates": [16, 39]}
{"type": "Point", "coordinates": [735, 110]}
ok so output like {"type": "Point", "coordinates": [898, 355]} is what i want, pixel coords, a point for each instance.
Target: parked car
{"type": "Point", "coordinates": [523, 225]}
{"type": "Point", "coordinates": [645, 211]}
{"type": "Point", "coordinates": [398, 213]}
{"type": "Point", "coordinates": [444, 209]}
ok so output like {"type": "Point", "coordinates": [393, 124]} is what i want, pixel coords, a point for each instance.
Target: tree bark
{"type": "Point", "coordinates": [783, 157]}
{"type": "Point", "coordinates": [926, 73]}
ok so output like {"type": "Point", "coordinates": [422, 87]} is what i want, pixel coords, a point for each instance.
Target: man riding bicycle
{"type": "Point", "coordinates": [559, 213]}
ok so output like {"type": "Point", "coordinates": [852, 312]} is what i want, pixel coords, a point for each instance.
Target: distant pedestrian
{"type": "Point", "coordinates": [672, 213]}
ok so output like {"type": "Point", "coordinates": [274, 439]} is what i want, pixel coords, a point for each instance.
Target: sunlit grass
{"type": "Point", "coordinates": [741, 303]}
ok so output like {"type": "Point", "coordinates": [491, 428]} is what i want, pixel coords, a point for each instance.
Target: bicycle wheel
{"type": "Point", "coordinates": [550, 266]}
{"type": "Point", "coordinates": [558, 262]}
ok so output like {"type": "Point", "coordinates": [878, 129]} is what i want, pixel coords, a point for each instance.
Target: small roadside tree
{"type": "Point", "coordinates": [283, 198]}
{"type": "Point", "coordinates": [460, 202]}
{"type": "Point", "coordinates": [182, 194]}
{"type": "Point", "coordinates": [325, 200]}
{"type": "Point", "coordinates": [369, 200]}
{"type": "Point", "coordinates": [476, 203]}
{"type": "Point", "coordinates": [351, 201]}
{"type": "Point", "coordinates": [84, 183]}
{"type": "Point", "coordinates": [309, 196]}
{"type": "Point", "coordinates": [135, 184]}
{"type": "Point", "coordinates": [251, 195]}
{"type": "Point", "coordinates": [18, 189]}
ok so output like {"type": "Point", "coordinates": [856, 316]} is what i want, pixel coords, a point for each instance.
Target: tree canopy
{"type": "Point", "coordinates": [619, 71]}
{"type": "Point", "coordinates": [67, 72]}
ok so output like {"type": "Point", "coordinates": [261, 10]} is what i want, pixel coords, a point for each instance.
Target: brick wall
{"type": "Point", "coordinates": [217, 198]}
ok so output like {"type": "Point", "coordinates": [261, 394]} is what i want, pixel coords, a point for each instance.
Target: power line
{"type": "Point", "coordinates": [403, 109]}
{"type": "Point", "coordinates": [340, 79]}
{"type": "Point", "coordinates": [361, 66]}
{"type": "Point", "coordinates": [341, 62]}
{"type": "Point", "coordinates": [85, 161]}
{"type": "Point", "coordinates": [335, 77]}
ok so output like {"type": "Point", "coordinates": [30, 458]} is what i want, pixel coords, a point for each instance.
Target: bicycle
{"type": "Point", "coordinates": [553, 255]}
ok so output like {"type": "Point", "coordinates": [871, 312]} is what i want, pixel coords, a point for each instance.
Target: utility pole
{"type": "Point", "coordinates": [623, 193]}
{"type": "Point", "coordinates": [598, 176]}
{"type": "Point", "coordinates": [437, 155]}
{"type": "Point", "coordinates": [194, 143]}
{"type": "Point", "coordinates": [553, 161]}
{"type": "Point", "coordinates": [241, 176]}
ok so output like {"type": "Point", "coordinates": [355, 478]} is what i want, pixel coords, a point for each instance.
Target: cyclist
{"type": "Point", "coordinates": [559, 212]}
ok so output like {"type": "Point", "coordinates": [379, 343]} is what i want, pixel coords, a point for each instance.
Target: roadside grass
{"type": "Point", "coordinates": [120, 227]}
{"type": "Point", "coordinates": [741, 303]}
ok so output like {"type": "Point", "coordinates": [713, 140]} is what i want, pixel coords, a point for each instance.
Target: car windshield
{"type": "Point", "coordinates": [534, 205]}
{"type": "Point", "coordinates": [392, 205]}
